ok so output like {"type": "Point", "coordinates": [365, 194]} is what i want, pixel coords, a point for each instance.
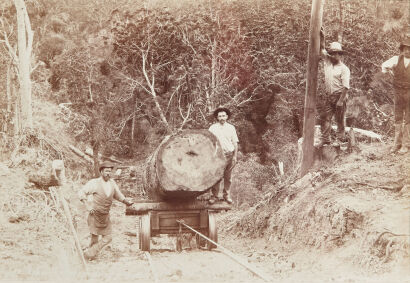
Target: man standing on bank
{"type": "Point", "coordinates": [103, 190]}
{"type": "Point", "coordinates": [398, 66]}
{"type": "Point", "coordinates": [226, 134]}
{"type": "Point", "coordinates": [337, 82]}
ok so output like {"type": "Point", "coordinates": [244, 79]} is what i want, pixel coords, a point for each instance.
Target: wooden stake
{"type": "Point", "coordinates": [311, 86]}
{"type": "Point", "coordinates": [59, 172]}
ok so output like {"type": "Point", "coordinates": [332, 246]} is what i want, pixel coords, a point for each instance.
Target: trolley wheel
{"type": "Point", "coordinates": [200, 242]}
{"type": "Point", "coordinates": [212, 230]}
{"type": "Point", "coordinates": [179, 244]}
{"type": "Point", "coordinates": [145, 232]}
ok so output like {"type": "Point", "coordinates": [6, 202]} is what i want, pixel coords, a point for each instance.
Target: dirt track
{"type": "Point", "coordinates": [358, 232]}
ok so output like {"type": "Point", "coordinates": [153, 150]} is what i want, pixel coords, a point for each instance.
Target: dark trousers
{"type": "Point", "coordinates": [401, 105]}
{"type": "Point", "coordinates": [227, 179]}
{"type": "Point", "coordinates": [327, 109]}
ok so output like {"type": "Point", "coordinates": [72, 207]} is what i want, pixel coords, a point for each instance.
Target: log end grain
{"type": "Point", "coordinates": [188, 164]}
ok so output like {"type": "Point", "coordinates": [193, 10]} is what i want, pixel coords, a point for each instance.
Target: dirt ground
{"type": "Point", "coordinates": [349, 223]}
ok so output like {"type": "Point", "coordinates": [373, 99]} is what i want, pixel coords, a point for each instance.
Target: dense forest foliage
{"type": "Point", "coordinates": [128, 73]}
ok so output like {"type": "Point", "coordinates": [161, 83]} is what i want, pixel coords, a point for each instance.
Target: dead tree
{"type": "Point", "coordinates": [25, 42]}
{"type": "Point", "coordinates": [311, 86]}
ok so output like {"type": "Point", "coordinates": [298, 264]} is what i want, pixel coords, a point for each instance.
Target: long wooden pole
{"type": "Point", "coordinates": [311, 86]}
{"type": "Point", "coordinates": [59, 173]}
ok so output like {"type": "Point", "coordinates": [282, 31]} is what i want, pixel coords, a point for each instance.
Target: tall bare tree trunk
{"type": "Point", "coordinates": [341, 22]}
{"type": "Point", "coordinates": [25, 40]}
{"type": "Point", "coordinates": [96, 149]}
{"type": "Point", "coordinates": [8, 97]}
{"type": "Point", "coordinates": [213, 77]}
{"type": "Point", "coordinates": [311, 86]}
{"type": "Point", "coordinates": [134, 121]}
{"type": "Point", "coordinates": [17, 120]}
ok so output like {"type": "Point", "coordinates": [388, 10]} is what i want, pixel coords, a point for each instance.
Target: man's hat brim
{"type": "Point", "coordinates": [222, 109]}
{"type": "Point", "coordinates": [336, 52]}
{"type": "Point", "coordinates": [404, 44]}
{"type": "Point", "coordinates": [105, 165]}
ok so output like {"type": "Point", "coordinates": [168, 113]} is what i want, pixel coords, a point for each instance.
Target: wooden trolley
{"type": "Point", "coordinates": [158, 218]}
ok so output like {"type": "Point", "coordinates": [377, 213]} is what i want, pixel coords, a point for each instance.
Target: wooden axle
{"type": "Point", "coordinates": [141, 208]}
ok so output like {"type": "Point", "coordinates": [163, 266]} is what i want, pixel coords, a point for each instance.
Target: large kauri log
{"type": "Point", "coordinates": [184, 166]}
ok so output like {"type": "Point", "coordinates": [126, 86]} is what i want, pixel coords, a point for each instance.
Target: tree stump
{"type": "Point", "coordinates": [48, 177]}
{"type": "Point", "coordinates": [184, 166]}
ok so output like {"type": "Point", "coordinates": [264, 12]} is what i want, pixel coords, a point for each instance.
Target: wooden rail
{"type": "Point", "coordinates": [255, 271]}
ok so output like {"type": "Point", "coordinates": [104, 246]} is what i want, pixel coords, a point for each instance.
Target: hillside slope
{"type": "Point", "coordinates": [355, 212]}
{"type": "Point", "coordinates": [346, 223]}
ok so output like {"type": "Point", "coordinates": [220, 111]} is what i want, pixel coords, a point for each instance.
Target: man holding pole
{"type": "Point", "coordinates": [103, 190]}
{"type": "Point", "coordinates": [337, 82]}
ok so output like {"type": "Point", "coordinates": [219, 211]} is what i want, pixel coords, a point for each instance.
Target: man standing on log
{"type": "Point", "coordinates": [226, 134]}
{"type": "Point", "coordinates": [398, 66]}
{"type": "Point", "coordinates": [337, 82]}
{"type": "Point", "coordinates": [103, 191]}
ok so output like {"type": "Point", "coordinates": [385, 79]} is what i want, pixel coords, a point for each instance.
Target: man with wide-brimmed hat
{"type": "Point", "coordinates": [102, 191]}
{"type": "Point", "coordinates": [226, 134]}
{"type": "Point", "coordinates": [398, 66]}
{"type": "Point", "coordinates": [337, 84]}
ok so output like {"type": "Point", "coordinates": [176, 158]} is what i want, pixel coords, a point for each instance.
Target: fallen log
{"type": "Point", "coordinates": [362, 132]}
{"type": "Point", "coordinates": [80, 153]}
{"type": "Point", "coordinates": [184, 166]}
{"type": "Point", "coordinates": [43, 181]}
{"type": "Point", "coordinates": [89, 152]}
{"type": "Point", "coordinates": [47, 177]}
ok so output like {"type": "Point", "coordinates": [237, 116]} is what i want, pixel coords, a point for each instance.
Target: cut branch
{"type": "Point", "coordinates": [80, 153]}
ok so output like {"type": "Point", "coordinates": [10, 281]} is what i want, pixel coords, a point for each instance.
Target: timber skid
{"type": "Point", "coordinates": [156, 218]}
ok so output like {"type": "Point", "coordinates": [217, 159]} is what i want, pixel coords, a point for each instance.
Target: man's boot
{"type": "Point", "coordinates": [91, 253]}
{"type": "Point", "coordinates": [397, 138]}
{"type": "Point", "coordinates": [406, 139]}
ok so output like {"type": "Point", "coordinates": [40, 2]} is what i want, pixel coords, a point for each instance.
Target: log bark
{"type": "Point", "coordinates": [48, 177]}
{"type": "Point", "coordinates": [184, 166]}
{"type": "Point", "coordinates": [43, 181]}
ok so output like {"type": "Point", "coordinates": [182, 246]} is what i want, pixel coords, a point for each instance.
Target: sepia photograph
{"type": "Point", "coordinates": [205, 141]}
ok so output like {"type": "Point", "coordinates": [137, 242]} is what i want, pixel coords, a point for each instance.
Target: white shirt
{"type": "Point", "coordinates": [226, 135]}
{"type": "Point", "coordinates": [392, 62]}
{"type": "Point", "coordinates": [107, 186]}
{"type": "Point", "coordinates": [91, 186]}
{"type": "Point", "coordinates": [337, 77]}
